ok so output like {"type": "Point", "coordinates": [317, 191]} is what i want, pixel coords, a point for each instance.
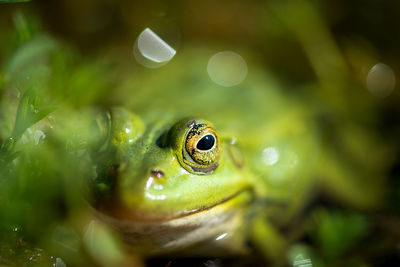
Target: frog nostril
{"type": "Point", "coordinates": [157, 173]}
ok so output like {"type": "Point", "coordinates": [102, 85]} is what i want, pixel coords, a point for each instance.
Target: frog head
{"type": "Point", "coordinates": [166, 172]}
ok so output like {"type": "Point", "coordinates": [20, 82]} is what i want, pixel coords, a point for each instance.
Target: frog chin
{"type": "Point", "coordinates": [186, 229]}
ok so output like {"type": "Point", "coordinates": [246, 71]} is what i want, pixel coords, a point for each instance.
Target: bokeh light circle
{"type": "Point", "coordinates": [227, 68]}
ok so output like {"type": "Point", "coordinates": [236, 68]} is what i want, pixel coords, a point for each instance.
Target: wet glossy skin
{"type": "Point", "coordinates": [155, 183]}
{"type": "Point", "coordinates": [149, 184]}
{"type": "Point", "coordinates": [170, 179]}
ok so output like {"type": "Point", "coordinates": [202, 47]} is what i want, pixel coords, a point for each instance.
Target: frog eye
{"type": "Point", "coordinates": [197, 145]}
{"type": "Point", "coordinates": [201, 148]}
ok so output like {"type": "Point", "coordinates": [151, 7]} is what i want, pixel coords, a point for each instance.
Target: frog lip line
{"type": "Point", "coordinates": [198, 210]}
{"type": "Point", "coordinates": [127, 215]}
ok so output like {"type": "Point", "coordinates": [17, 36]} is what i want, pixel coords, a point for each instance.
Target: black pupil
{"type": "Point", "coordinates": [206, 143]}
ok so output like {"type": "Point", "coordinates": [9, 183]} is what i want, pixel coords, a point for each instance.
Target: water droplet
{"type": "Point", "coordinates": [213, 263]}
{"type": "Point", "coordinates": [149, 182]}
{"type": "Point", "coordinates": [158, 187]}
{"type": "Point", "coordinates": [227, 68]}
{"type": "Point", "coordinates": [270, 156]}
{"type": "Point", "coordinates": [221, 236]}
{"type": "Point", "coordinates": [299, 261]}
{"type": "Point", "coordinates": [38, 136]}
{"type": "Point", "coordinates": [293, 159]}
{"type": "Point", "coordinates": [155, 197]}
{"type": "Point", "coordinates": [381, 80]}
{"type": "Point", "coordinates": [152, 51]}
{"type": "Point", "coordinates": [60, 263]}
{"type": "Point", "coordinates": [67, 237]}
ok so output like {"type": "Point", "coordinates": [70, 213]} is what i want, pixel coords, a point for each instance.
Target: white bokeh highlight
{"type": "Point", "coordinates": [270, 156]}
{"type": "Point", "coordinates": [381, 80]}
{"type": "Point", "coordinates": [227, 68]}
{"type": "Point", "coordinates": [151, 51]}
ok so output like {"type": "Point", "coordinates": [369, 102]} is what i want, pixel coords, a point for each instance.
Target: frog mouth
{"type": "Point", "coordinates": [238, 194]}
{"type": "Point", "coordinates": [119, 212]}
{"type": "Point", "coordinates": [151, 235]}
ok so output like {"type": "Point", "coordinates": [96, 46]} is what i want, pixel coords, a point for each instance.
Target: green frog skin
{"type": "Point", "coordinates": [161, 172]}
{"type": "Point", "coordinates": [209, 183]}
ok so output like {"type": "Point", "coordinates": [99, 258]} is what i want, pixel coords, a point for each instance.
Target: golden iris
{"type": "Point", "coordinates": [196, 144]}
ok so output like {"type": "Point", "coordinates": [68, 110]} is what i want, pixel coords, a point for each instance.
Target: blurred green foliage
{"type": "Point", "coordinates": [335, 232]}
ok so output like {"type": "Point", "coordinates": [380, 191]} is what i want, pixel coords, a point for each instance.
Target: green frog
{"type": "Point", "coordinates": [185, 166]}
{"type": "Point", "coordinates": [190, 167]}
{"type": "Point", "coordinates": [196, 185]}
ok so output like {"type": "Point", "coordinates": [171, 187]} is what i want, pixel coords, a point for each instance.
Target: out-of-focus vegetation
{"type": "Point", "coordinates": [67, 58]}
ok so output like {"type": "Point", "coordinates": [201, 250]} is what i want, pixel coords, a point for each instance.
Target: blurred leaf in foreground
{"type": "Point", "coordinates": [28, 114]}
{"type": "Point", "coordinates": [336, 232]}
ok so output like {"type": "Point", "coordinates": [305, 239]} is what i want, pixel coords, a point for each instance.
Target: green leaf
{"type": "Point", "coordinates": [22, 26]}
{"type": "Point", "coordinates": [13, 156]}
{"type": "Point", "coordinates": [7, 145]}
{"type": "Point", "coordinates": [25, 112]}
{"type": "Point", "coordinates": [44, 112]}
{"type": "Point", "coordinates": [29, 56]}
{"type": "Point", "coordinates": [6, 154]}
{"type": "Point", "coordinates": [335, 232]}
{"type": "Point", "coordinates": [28, 113]}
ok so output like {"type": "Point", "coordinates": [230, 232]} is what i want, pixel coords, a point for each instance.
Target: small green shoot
{"type": "Point", "coordinates": [28, 114]}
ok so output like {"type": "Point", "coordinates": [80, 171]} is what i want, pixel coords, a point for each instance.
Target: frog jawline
{"type": "Point", "coordinates": [201, 209]}
{"type": "Point", "coordinates": [126, 214]}
{"type": "Point", "coordinates": [172, 234]}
